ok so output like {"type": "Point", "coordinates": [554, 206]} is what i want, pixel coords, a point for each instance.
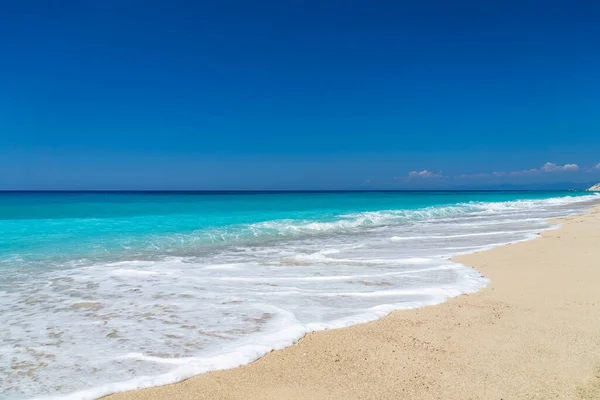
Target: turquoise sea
{"type": "Point", "coordinates": [102, 292]}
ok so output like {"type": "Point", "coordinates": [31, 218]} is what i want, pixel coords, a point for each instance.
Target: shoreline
{"type": "Point", "coordinates": [409, 344]}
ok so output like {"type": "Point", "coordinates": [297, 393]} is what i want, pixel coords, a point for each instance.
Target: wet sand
{"type": "Point", "coordinates": [533, 333]}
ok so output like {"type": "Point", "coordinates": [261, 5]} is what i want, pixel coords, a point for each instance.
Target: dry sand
{"type": "Point", "coordinates": [534, 333]}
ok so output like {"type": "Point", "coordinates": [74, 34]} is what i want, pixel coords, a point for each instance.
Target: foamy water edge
{"type": "Point", "coordinates": [191, 366]}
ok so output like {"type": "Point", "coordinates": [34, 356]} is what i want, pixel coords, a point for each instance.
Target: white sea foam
{"type": "Point", "coordinates": [97, 328]}
{"type": "Point", "coordinates": [431, 237]}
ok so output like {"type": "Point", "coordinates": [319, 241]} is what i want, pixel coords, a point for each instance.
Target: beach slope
{"type": "Point", "coordinates": [533, 333]}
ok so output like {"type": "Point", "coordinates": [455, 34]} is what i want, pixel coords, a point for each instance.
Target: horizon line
{"type": "Point", "coordinates": [274, 190]}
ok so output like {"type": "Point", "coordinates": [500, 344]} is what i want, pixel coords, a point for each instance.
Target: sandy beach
{"type": "Point", "coordinates": [533, 333]}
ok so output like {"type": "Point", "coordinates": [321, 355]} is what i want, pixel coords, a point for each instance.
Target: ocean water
{"type": "Point", "coordinates": [103, 292]}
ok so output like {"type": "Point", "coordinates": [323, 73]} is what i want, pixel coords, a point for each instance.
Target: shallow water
{"type": "Point", "coordinates": [101, 292]}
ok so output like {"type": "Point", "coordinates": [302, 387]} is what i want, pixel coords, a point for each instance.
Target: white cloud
{"type": "Point", "coordinates": [548, 167]}
{"type": "Point", "coordinates": [424, 174]}
{"type": "Point", "coordinates": [551, 167]}
{"type": "Point", "coordinates": [531, 171]}
{"type": "Point", "coordinates": [597, 166]}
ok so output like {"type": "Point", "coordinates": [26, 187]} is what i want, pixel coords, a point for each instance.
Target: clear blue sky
{"type": "Point", "coordinates": [297, 94]}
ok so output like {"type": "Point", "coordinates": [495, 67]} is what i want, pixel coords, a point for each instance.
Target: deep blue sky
{"type": "Point", "coordinates": [297, 94]}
